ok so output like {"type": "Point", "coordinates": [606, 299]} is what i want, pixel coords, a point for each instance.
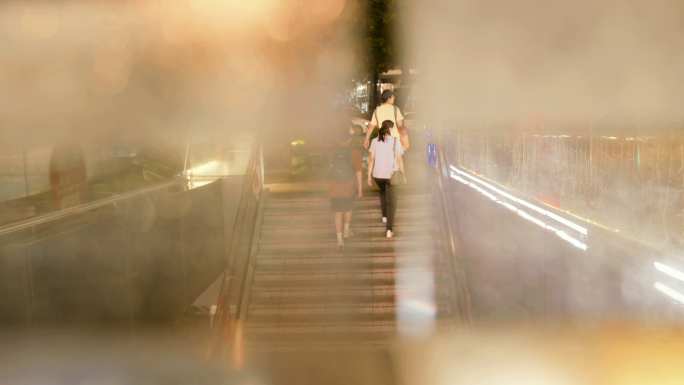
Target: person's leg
{"type": "Point", "coordinates": [338, 222]}
{"type": "Point", "coordinates": [338, 230]}
{"type": "Point", "coordinates": [392, 198]}
{"type": "Point", "coordinates": [347, 221]}
{"type": "Point", "coordinates": [383, 195]}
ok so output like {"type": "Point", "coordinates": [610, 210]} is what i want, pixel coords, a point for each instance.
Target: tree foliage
{"type": "Point", "coordinates": [377, 37]}
{"type": "Point", "coordinates": [378, 44]}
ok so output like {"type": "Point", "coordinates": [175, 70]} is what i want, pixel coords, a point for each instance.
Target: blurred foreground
{"type": "Point", "coordinates": [614, 355]}
{"type": "Point", "coordinates": [164, 216]}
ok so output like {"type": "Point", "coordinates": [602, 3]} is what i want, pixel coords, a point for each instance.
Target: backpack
{"type": "Point", "coordinates": [342, 168]}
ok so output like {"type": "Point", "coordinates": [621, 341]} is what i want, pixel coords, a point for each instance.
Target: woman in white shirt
{"type": "Point", "coordinates": [385, 158]}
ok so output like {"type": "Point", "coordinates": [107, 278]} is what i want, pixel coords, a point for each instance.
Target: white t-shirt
{"type": "Point", "coordinates": [386, 112]}
{"type": "Point", "coordinates": [385, 159]}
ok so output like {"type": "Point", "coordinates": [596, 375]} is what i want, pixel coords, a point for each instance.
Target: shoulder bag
{"type": "Point", "coordinates": [397, 176]}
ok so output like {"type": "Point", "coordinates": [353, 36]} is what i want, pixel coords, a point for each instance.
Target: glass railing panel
{"type": "Point", "coordinates": [133, 260]}
{"type": "Point", "coordinates": [626, 180]}
{"type": "Point", "coordinates": [41, 178]}
{"type": "Point", "coordinates": [214, 158]}
{"type": "Point", "coordinates": [533, 254]}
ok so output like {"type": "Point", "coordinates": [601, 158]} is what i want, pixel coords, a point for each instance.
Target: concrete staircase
{"type": "Point", "coordinates": [307, 296]}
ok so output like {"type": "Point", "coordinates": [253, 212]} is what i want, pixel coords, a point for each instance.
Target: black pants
{"type": "Point", "coordinates": [388, 200]}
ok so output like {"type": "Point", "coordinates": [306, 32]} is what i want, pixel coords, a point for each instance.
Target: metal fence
{"type": "Point", "coordinates": [629, 181]}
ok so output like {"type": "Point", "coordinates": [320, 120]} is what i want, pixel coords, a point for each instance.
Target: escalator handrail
{"type": "Point", "coordinates": [86, 207]}
{"type": "Point", "coordinates": [242, 234]}
{"type": "Point", "coordinates": [453, 234]}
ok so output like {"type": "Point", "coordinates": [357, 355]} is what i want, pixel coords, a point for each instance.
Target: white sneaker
{"type": "Point", "coordinates": [384, 219]}
{"type": "Point", "coordinates": [390, 233]}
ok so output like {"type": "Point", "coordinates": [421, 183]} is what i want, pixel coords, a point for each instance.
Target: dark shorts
{"type": "Point", "coordinates": [341, 204]}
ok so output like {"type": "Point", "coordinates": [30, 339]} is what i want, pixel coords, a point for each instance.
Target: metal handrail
{"type": "Point", "coordinates": [85, 207]}
{"type": "Point", "coordinates": [243, 233]}
{"type": "Point", "coordinates": [453, 234]}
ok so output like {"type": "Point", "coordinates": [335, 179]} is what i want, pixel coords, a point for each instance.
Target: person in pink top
{"type": "Point", "coordinates": [385, 158]}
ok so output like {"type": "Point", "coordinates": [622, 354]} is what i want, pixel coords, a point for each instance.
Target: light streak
{"type": "Point", "coordinates": [510, 206]}
{"type": "Point", "coordinates": [572, 240]}
{"type": "Point", "coordinates": [562, 234]}
{"type": "Point", "coordinates": [203, 168]}
{"type": "Point", "coordinates": [531, 218]}
{"type": "Point", "coordinates": [553, 216]}
{"type": "Point", "coordinates": [670, 271]}
{"type": "Point", "coordinates": [566, 222]}
{"type": "Point", "coordinates": [670, 292]}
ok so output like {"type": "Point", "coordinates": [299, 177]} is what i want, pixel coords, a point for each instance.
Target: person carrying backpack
{"type": "Point", "coordinates": [345, 182]}
{"type": "Point", "coordinates": [388, 111]}
{"type": "Point", "coordinates": [387, 168]}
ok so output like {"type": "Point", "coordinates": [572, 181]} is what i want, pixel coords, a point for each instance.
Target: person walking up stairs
{"type": "Point", "coordinates": [345, 183]}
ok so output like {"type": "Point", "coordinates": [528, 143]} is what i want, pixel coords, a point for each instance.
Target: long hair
{"type": "Point", "coordinates": [385, 130]}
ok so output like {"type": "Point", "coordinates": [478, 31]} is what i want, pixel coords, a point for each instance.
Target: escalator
{"type": "Point", "coordinates": [301, 301]}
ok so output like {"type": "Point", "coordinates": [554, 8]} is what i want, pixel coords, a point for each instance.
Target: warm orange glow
{"type": "Point", "coordinates": [113, 64]}
{"type": "Point", "coordinates": [322, 11]}
{"type": "Point", "coordinates": [83, 14]}
{"type": "Point", "coordinates": [40, 20]}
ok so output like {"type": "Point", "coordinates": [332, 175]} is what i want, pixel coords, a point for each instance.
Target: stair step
{"type": "Point", "coordinates": [290, 220]}
{"type": "Point", "coordinates": [323, 298]}
{"type": "Point", "coordinates": [362, 235]}
{"type": "Point", "coordinates": [321, 338]}
{"type": "Point", "coordinates": [357, 278]}
{"type": "Point", "coordinates": [388, 305]}
{"type": "Point", "coordinates": [339, 289]}
{"type": "Point", "coordinates": [338, 273]}
{"type": "Point", "coordinates": [362, 228]}
{"type": "Point", "coordinates": [323, 196]}
{"type": "Point", "coordinates": [357, 208]}
{"type": "Point", "coordinates": [399, 243]}
{"type": "Point", "coordinates": [351, 252]}
{"type": "Point", "coordinates": [318, 346]}
{"type": "Point", "coordinates": [299, 256]}
{"type": "Point", "coordinates": [317, 319]}
{"type": "Point", "coordinates": [357, 297]}
{"type": "Point", "coordinates": [326, 223]}
{"type": "Point", "coordinates": [340, 264]}
{"type": "Point", "coordinates": [372, 198]}
{"type": "Point", "coordinates": [321, 328]}
{"type": "Point", "coordinates": [321, 309]}
{"type": "Point", "coordinates": [282, 263]}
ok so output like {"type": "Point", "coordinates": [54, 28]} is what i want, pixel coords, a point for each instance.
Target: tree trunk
{"type": "Point", "coordinates": [405, 76]}
{"type": "Point", "coordinates": [373, 94]}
